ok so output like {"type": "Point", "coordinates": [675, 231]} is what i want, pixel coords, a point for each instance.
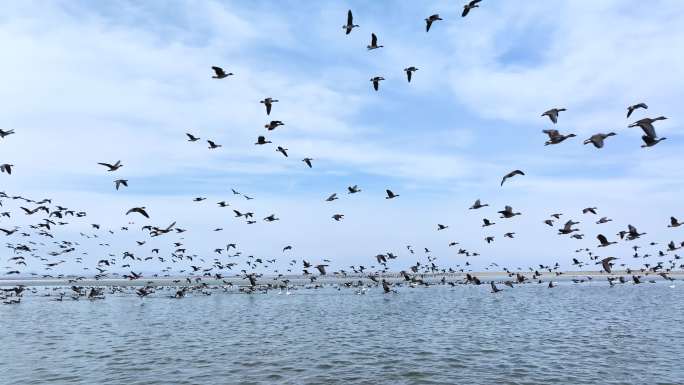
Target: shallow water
{"type": "Point", "coordinates": [572, 334]}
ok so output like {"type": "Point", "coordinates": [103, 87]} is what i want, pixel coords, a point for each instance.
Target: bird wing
{"type": "Point", "coordinates": [551, 133]}
{"type": "Point", "coordinates": [219, 71]}
{"type": "Point", "coordinates": [106, 165]}
{"type": "Point", "coordinates": [606, 265]}
{"type": "Point", "coordinates": [374, 40]}
{"type": "Point", "coordinates": [602, 239]}
{"type": "Point", "coordinates": [350, 17]}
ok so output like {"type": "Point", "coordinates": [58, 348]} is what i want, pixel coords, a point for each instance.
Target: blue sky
{"type": "Point", "coordinates": [87, 82]}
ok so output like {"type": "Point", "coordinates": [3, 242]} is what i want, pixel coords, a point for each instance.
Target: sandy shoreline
{"type": "Point", "coordinates": [300, 280]}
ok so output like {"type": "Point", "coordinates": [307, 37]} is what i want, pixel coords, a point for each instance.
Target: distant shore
{"type": "Point", "coordinates": [301, 280]}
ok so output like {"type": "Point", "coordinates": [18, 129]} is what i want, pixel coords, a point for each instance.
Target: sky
{"type": "Point", "coordinates": [86, 82]}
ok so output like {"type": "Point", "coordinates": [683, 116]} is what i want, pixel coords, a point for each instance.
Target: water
{"type": "Point", "coordinates": [572, 334]}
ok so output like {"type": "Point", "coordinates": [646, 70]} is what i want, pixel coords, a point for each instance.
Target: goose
{"type": "Point", "coordinates": [549, 222]}
{"type": "Point", "coordinates": [212, 145]}
{"type": "Point", "coordinates": [477, 205]}
{"type": "Point", "coordinates": [486, 222]}
{"type": "Point", "coordinates": [353, 189]}
{"type": "Point", "coordinates": [191, 137]}
{"type": "Point", "coordinates": [633, 107]}
{"type": "Point", "coordinates": [120, 182]}
{"type": "Point", "coordinates": [646, 125]}
{"type": "Point", "coordinates": [282, 151]}
{"type": "Point", "coordinates": [431, 19]}
{"type": "Point", "coordinates": [374, 43]}
{"type": "Point", "coordinates": [5, 133]}
{"type": "Point", "coordinates": [555, 137]}
{"type": "Point", "coordinates": [390, 194]}
{"type": "Point", "coordinates": [338, 217]}
{"type": "Point", "coordinates": [510, 175]}
{"type": "Point", "coordinates": [6, 168]}
{"type": "Point", "coordinates": [271, 218]}
{"type": "Point", "coordinates": [350, 23]}
{"type": "Point", "coordinates": [605, 263]}
{"type": "Point", "coordinates": [604, 241]}
{"type": "Point", "coordinates": [139, 210]}
{"type": "Point", "coordinates": [589, 210]}
{"type": "Point", "coordinates": [597, 139]}
{"type": "Point", "coordinates": [268, 102]}
{"type": "Point", "coordinates": [332, 197]}
{"type": "Point", "coordinates": [649, 141]}
{"type": "Point", "coordinates": [507, 212]}
{"type": "Point", "coordinates": [509, 235]}
{"type": "Point", "coordinates": [219, 73]}
{"type": "Point", "coordinates": [466, 8]}
{"type": "Point", "coordinates": [567, 228]}
{"type": "Point", "coordinates": [409, 71]}
{"type": "Point", "coordinates": [632, 233]}
{"type": "Point", "coordinates": [261, 141]}
{"type": "Point", "coordinates": [441, 227]}
{"type": "Point", "coordinates": [603, 220]}
{"type": "Point", "coordinates": [553, 114]}
{"type": "Point", "coordinates": [674, 222]}
{"type": "Point", "coordinates": [273, 124]}
{"type": "Point", "coordinates": [307, 161]}
{"type": "Point", "coordinates": [376, 81]}
{"type": "Point", "coordinates": [112, 167]}
{"type": "Point", "coordinates": [489, 239]}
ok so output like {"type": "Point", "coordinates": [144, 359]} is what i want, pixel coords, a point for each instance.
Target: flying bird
{"type": "Point", "coordinates": [650, 142]}
{"type": "Point", "coordinates": [633, 107]}
{"type": "Point", "coordinates": [597, 139]}
{"type": "Point", "coordinates": [510, 175]}
{"type": "Point", "coordinates": [350, 23]}
{"type": "Point", "coordinates": [390, 194]}
{"type": "Point", "coordinates": [212, 145]}
{"type": "Point", "coordinates": [307, 161]}
{"type": "Point", "coordinates": [282, 150]}
{"type": "Point", "coordinates": [268, 102]}
{"type": "Point", "coordinates": [219, 73]}
{"type": "Point", "coordinates": [376, 81]}
{"type": "Point", "coordinates": [471, 5]}
{"type": "Point", "coordinates": [139, 210]}
{"type": "Point", "coordinates": [5, 133]}
{"type": "Point", "coordinates": [556, 137]}
{"type": "Point", "coordinates": [6, 168]}
{"type": "Point", "coordinates": [409, 71]}
{"type": "Point", "coordinates": [191, 137]}
{"type": "Point", "coordinates": [646, 125]}
{"type": "Point", "coordinates": [261, 141]}
{"type": "Point", "coordinates": [112, 167]}
{"type": "Point", "coordinates": [119, 182]}
{"type": "Point", "coordinates": [374, 43]}
{"type": "Point", "coordinates": [553, 114]}
{"type": "Point", "coordinates": [431, 19]}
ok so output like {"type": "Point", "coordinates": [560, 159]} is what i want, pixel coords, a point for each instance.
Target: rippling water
{"type": "Point", "coordinates": [572, 334]}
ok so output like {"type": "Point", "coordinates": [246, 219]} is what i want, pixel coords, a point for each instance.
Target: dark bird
{"type": "Point", "coordinates": [321, 268]}
{"type": "Point", "coordinates": [431, 19]}
{"type": "Point", "coordinates": [350, 23]}
{"type": "Point", "coordinates": [273, 124]}
{"type": "Point", "coordinates": [307, 161]}
{"type": "Point", "coordinates": [649, 141]}
{"type": "Point", "coordinates": [338, 217]}
{"type": "Point", "coordinates": [553, 114]}
{"type": "Point", "coordinates": [6, 168]}
{"type": "Point", "coordinates": [486, 222]}
{"type": "Point", "coordinates": [390, 194]}
{"type": "Point", "coordinates": [5, 133]}
{"type": "Point", "coordinates": [477, 205]}
{"type": "Point", "coordinates": [633, 107]}
{"type": "Point", "coordinates": [494, 288]}
{"type": "Point", "coordinates": [409, 71]}
{"type": "Point", "coordinates": [507, 212]}
{"type": "Point", "coordinates": [376, 81]}
{"type": "Point", "coordinates": [332, 197]}
{"type": "Point", "coordinates": [674, 222]}
{"type": "Point", "coordinates": [353, 189]}
{"type": "Point", "coordinates": [442, 227]}
{"type": "Point", "coordinates": [605, 262]}
{"type": "Point", "coordinates": [374, 43]}
{"type": "Point", "coordinates": [646, 125]}
{"type": "Point", "coordinates": [191, 137]}
{"type": "Point", "coordinates": [268, 102]}
{"type": "Point", "coordinates": [112, 167]}
{"type": "Point", "coordinates": [219, 73]}
{"type": "Point", "coordinates": [589, 210]}
{"type": "Point", "coordinates": [261, 141]}
{"type": "Point", "coordinates": [212, 145]}
{"type": "Point", "coordinates": [282, 151]}
{"type": "Point", "coordinates": [119, 182]}
{"type": "Point", "coordinates": [510, 175]}
{"type": "Point", "coordinates": [604, 241]}
{"type": "Point", "coordinates": [597, 139]}
{"type": "Point", "coordinates": [555, 137]}
{"type": "Point", "coordinates": [139, 210]}
{"type": "Point", "coordinates": [469, 6]}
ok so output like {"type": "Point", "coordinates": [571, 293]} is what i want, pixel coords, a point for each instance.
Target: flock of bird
{"type": "Point", "coordinates": [187, 272]}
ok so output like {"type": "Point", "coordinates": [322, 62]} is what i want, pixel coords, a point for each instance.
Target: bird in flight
{"type": "Point", "coordinates": [597, 139]}
{"type": "Point", "coordinates": [556, 137]}
{"type": "Point", "coordinates": [282, 150]}
{"type": "Point", "coordinates": [633, 107]}
{"type": "Point", "coordinates": [374, 43]}
{"type": "Point", "coordinates": [4, 133]}
{"type": "Point", "coordinates": [390, 194]}
{"type": "Point", "coordinates": [510, 175]}
{"type": "Point", "coordinates": [268, 102]}
{"type": "Point", "coordinates": [376, 81]}
{"type": "Point", "coordinates": [119, 182]}
{"type": "Point", "coordinates": [219, 73]}
{"type": "Point", "coordinates": [469, 6]}
{"type": "Point", "coordinates": [191, 137]}
{"type": "Point", "coordinates": [6, 168]}
{"type": "Point", "coordinates": [553, 114]}
{"type": "Point", "coordinates": [212, 145]}
{"type": "Point", "coordinates": [261, 140]}
{"type": "Point", "coordinates": [350, 23]}
{"type": "Point", "coordinates": [646, 125]}
{"type": "Point", "coordinates": [139, 210]}
{"type": "Point", "coordinates": [431, 19]}
{"type": "Point", "coordinates": [112, 167]}
{"type": "Point", "coordinates": [273, 124]}
{"type": "Point", "coordinates": [409, 72]}
{"type": "Point", "coordinates": [307, 161]}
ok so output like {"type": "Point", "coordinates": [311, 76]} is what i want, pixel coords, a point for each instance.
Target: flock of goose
{"type": "Point", "coordinates": [188, 272]}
